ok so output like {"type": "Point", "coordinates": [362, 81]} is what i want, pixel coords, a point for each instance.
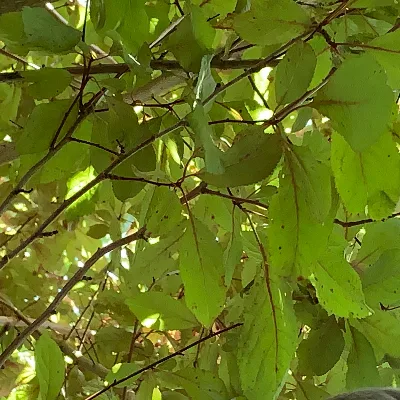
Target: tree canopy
{"type": "Point", "coordinates": [199, 198]}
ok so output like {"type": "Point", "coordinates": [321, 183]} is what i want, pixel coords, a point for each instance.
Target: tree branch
{"type": "Point", "coordinates": [19, 340]}
{"type": "Point", "coordinates": [163, 360]}
{"type": "Point", "coordinates": [99, 178]}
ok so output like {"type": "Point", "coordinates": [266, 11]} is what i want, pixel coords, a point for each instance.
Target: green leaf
{"type": "Point", "coordinates": [370, 178]}
{"type": "Point", "coordinates": [315, 356]}
{"type": "Point", "coordinates": [374, 3]}
{"type": "Point", "coordinates": [296, 235]}
{"type": "Point", "coordinates": [382, 279]}
{"type": "Point", "coordinates": [133, 35]}
{"type": "Point", "coordinates": [120, 371]}
{"type": "Point", "coordinates": [386, 50]}
{"type": "Point", "coordinates": [268, 340]}
{"type": "Point", "coordinates": [379, 237]}
{"type": "Point", "coordinates": [50, 368]}
{"type": "Point", "coordinates": [203, 132]}
{"type": "Point", "coordinates": [192, 40]}
{"type": "Point", "coordinates": [206, 83]}
{"type": "Point", "coordinates": [98, 231]}
{"type": "Point", "coordinates": [307, 390]}
{"type": "Point", "coordinates": [42, 125]}
{"type": "Point", "coordinates": [337, 285]}
{"type": "Point", "coordinates": [160, 311]}
{"type": "Point", "coordinates": [294, 73]}
{"type": "Point", "coordinates": [164, 211]}
{"type": "Point", "coordinates": [197, 383]}
{"type": "Point", "coordinates": [154, 261]}
{"type": "Point", "coordinates": [253, 156]}
{"type": "Point", "coordinates": [47, 82]}
{"type": "Point", "coordinates": [234, 250]}
{"type": "Point", "coordinates": [201, 267]}
{"type": "Point", "coordinates": [382, 330]}
{"type": "Point", "coordinates": [362, 366]}
{"type": "Point", "coordinates": [271, 22]}
{"type": "Point", "coordinates": [361, 114]}
{"type": "Point", "coordinates": [44, 32]}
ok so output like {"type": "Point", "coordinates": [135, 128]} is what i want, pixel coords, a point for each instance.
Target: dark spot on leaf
{"type": "Point", "coordinates": [280, 247]}
{"type": "Point", "coordinates": [283, 226]}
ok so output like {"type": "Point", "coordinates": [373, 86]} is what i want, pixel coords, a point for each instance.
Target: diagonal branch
{"type": "Point", "coordinates": [101, 177]}
{"type": "Point", "coordinates": [19, 340]}
{"type": "Point", "coordinates": [163, 360]}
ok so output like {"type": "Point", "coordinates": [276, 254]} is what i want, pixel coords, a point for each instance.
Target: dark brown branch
{"type": "Point", "coordinates": [236, 121]}
{"type": "Point", "coordinates": [137, 179]}
{"type": "Point", "coordinates": [99, 146]}
{"type": "Point", "coordinates": [349, 224]}
{"type": "Point", "coordinates": [162, 360]}
{"type": "Point", "coordinates": [19, 340]}
{"type": "Point", "coordinates": [163, 65]}
{"type": "Point", "coordinates": [99, 178]}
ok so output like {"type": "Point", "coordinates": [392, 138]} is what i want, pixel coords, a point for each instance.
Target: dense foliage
{"type": "Point", "coordinates": [198, 198]}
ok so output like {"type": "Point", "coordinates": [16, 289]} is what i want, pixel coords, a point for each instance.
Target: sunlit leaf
{"type": "Point", "coordinates": [268, 340]}
{"type": "Point", "coordinates": [50, 367]}
{"type": "Point", "coordinates": [361, 114]}
{"type": "Point", "coordinates": [270, 22]}
{"type": "Point", "coordinates": [165, 312]}
{"type": "Point", "coordinates": [294, 73]}
{"type": "Point", "coordinates": [370, 178]}
{"type": "Point", "coordinates": [202, 272]}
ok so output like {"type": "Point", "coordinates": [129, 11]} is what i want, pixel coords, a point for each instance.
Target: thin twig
{"type": "Point", "coordinates": [99, 146]}
{"type": "Point", "coordinates": [101, 177]}
{"type": "Point", "coordinates": [162, 360]}
{"type": "Point", "coordinates": [19, 340]}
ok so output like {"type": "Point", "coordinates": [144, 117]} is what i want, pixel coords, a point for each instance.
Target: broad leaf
{"type": "Point", "coordinates": [197, 383]}
{"type": "Point", "coordinates": [296, 235]}
{"type": "Point", "coordinates": [370, 178]}
{"type": "Point", "coordinates": [47, 33]}
{"type": "Point", "coordinates": [314, 355]}
{"type": "Point", "coordinates": [382, 330]}
{"type": "Point", "coordinates": [379, 237]}
{"type": "Point", "coordinates": [50, 367]}
{"type": "Point", "coordinates": [253, 156]}
{"type": "Point", "coordinates": [381, 281]}
{"type": "Point", "coordinates": [337, 284]}
{"type": "Point", "coordinates": [361, 114]}
{"type": "Point", "coordinates": [362, 366]}
{"type": "Point", "coordinates": [42, 125]}
{"type": "Point", "coordinates": [204, 134]}
{"type": "Point", "coordinates": [294, 73]}
{"type": "Point", "coordinates": [386, 50]}
{"type": "Point", "coordinates": [47, 82]}
{"type": "Point", "coordinates": [201, 268]}
{"type": "Point", "coordinates": [161, 311]}
{"type": "Point", "coordinates": [268, 340]}
{"type": "Point", "coordinates": [271, 22]}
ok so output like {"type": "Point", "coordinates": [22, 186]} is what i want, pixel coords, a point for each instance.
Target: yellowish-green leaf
{"type": "Point", "coordinates": [270, 22]}
{"type": "Point", "coordinates": [160, 311]}
{"type": "Point", "coordinates": [268, 340]}
{"type": "Point", "coordinates": [294, 73]}
{"type": "Point", "coordinates": [370, 178]}
{"type": "Point", "coordinates": [50, 368]}
{"type": "Point", "coordinates": [361, 114]}
{"type": "Point", "coordinates": [201, 266]}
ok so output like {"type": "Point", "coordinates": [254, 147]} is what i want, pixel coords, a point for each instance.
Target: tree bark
{"type": "Point", "coordinates": [17, 5]}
